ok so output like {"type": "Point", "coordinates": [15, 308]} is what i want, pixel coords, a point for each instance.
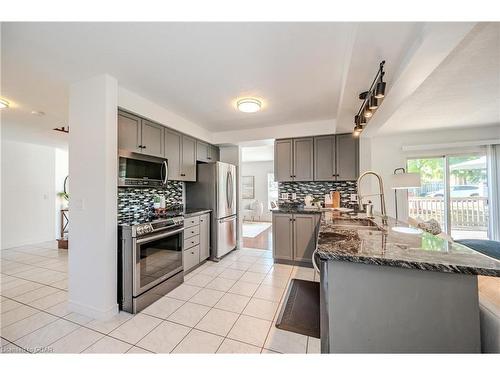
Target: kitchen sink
{"type": "Point", "coordinates": [332, 236]}
{"type": "Point", "coordinates": [355, 223]}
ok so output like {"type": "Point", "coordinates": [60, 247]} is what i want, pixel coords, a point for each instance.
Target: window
{"type": "Point", "coordinates": [272, 190]}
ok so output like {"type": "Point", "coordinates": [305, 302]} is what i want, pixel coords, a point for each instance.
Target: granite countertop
{"type": "Point", "coordinates": [296, 210]}
{"type": "Point", "coordinates": [188, 212]}
{"type": "Point", "coordinates": [386, 247]}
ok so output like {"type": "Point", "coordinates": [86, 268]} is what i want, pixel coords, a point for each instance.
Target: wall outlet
{"type": "Point", "coordinates": [79, 204]}
{"type": "Point", "coordinates": [284, 195]}
{"type": "Point", "coordinates": [294, 196]}
{"type": "Point", "coordinates": [354, 197]}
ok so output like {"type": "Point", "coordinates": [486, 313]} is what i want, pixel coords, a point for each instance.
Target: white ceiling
{"type": "Point", "coordinates": [463, 91]}
{"type": "Point", "coordinates": [304, 72]}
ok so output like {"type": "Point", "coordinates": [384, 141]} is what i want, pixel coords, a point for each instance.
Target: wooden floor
{"type": "Point", "coordinates": [263, 241]}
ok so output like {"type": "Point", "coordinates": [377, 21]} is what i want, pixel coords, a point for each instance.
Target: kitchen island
{"type": "Point", "coordinates": [383, 291]}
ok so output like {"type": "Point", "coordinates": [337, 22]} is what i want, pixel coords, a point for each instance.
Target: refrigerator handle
{"type": "Point", "coordinates": [232, 218]}
{"type": "Point", "coordinates": [228, 176]}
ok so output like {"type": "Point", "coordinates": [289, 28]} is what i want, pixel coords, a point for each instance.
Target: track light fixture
{"type": "Point", "coordinates": [371, 101]}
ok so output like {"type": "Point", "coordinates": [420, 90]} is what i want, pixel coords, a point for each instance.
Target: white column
{"type": "Point", "coordinates": [93, 196]}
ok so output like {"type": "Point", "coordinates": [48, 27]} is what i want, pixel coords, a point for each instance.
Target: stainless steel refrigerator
{"type": "Point", "coordinates": [215, 189]}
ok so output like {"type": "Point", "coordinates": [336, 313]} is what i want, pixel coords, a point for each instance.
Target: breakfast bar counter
{"type": "Point", "coordinates": [385, 291]}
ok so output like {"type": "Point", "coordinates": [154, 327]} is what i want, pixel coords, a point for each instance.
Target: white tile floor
{"type": "Point", "coordinates": [225, 307]}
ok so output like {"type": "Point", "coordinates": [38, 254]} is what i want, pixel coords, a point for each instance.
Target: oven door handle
{"type": "Point", "coordinates": [158, 236]}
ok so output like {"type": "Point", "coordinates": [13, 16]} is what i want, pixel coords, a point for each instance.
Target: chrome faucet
{"type": "Point", "coordinates": [381, 194]}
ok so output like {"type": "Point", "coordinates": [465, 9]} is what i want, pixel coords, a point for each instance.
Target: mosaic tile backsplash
{"type": "Point", "coordinates": [135, 205]}
{"type": "Point", "coordinates": [317, 189]}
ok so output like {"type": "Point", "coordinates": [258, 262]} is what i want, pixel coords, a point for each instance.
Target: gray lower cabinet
{"type": "Point", "coordinates": [196, 240]}
{"type": "Point", "coordinates": [283, 236]}
{"type": "Point", "coordinates": [324, 158]}
{"type": "Point", "coordinates": [204, 237]}
{"type": "Point", "coordinates": [294, 237]}
{"type": "Point", "coordinates": [347, 161]}
{"type": "Point", "coordinates": [305, 230]}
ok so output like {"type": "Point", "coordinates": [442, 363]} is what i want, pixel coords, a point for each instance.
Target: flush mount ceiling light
{"type": "Point", "coordinates": [249, 105]}
{"type": "Point", "coordinates": [4, 104]}
{"type": "Point", "coordinates": [371, 101]}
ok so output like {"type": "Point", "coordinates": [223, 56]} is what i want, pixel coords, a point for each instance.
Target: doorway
{"type": "Point", "coordinates": [454, 192]}
{"type": "Point", "coordinates": [259, 192]}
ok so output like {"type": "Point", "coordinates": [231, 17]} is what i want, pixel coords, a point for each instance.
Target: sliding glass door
{"type": "Point", "coordinates": [454, 191]}
{"type": "Point", "coordinates": [468, 196]}
{"type": "Point", "coordinates": [427, 202]}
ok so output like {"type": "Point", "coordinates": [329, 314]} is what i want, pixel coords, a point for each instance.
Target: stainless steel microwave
{"type": "Point", "coordinates": [141, 170]}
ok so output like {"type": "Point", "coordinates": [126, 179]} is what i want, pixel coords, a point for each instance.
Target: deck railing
{"type": "Point", "coordinates": [466, 213]}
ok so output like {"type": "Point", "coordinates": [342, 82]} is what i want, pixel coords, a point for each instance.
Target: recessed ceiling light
{"type": "Point", "coordinates": [249, 105]}
{"type": "Point", "coordinates": [4, 103]}
{"type": "Point", "coordinates": [37, 113]}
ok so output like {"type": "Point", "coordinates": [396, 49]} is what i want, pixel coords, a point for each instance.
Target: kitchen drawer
{"type": "Point", "coordinates": [192, 231]}
{"type": "Point", "coordinates": [191, 221]}
{"type": "Point", "coordinates": [190, 242]}
{"type": "Point", "coordinates": [191, 258]}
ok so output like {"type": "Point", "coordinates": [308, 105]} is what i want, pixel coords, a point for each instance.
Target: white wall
{"type": "Point", "coordinates": [383, 154]}
{"type": "Point", "coordinates": [301, 129]}
{"type": "Point", "coordinates": [28, 193]}
{"type": "Point", "coordinates": [259, 170]}
{"type": "Point", "coordinates": [137, 104]}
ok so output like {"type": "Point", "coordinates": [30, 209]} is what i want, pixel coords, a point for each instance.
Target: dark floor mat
{"type": "Point", "coordinates": [300, 312]}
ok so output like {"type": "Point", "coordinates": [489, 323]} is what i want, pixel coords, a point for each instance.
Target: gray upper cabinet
{"type": "Point", "coordinates": [304, 236]}
{"type": "Point", "coordinates": [202, 151]}
{"type": "Point", "coordinates": [129, 132]}
{"type": "Point", "coordinates": [282, 236]}
{"type": "Point", "coordinates": [152, 139]}
{"type": "Point", "coordinates": [204, 236]}
{"type": "Point", "coordinates": [206, 153]}
{"type": "Point", "coordinates": [188, 164]}
{"type": "Point", "coordinates": [303, 157]}
{"type": "Point", "coordinates": [324, 158]}
{"type": "Point", "coordinates": [294, 159]}
{"type": "Point", "coordinates": [173, 141]}
{"type": "Point", "coordinates": [347, 157]}
{"type": "Point", "coordinates": [180, 150]}
{"type": "Point", "coordinates": [136, 134]}
{"type": "Point", "coordinates": [283, 159]}
{"type": "Point", "coordinates": [213, 153]}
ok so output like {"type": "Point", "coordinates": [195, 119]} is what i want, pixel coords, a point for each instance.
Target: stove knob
{"type": "Point", "coordinates": [139, 231]}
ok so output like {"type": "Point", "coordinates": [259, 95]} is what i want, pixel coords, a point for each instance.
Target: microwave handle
{"type": "Point", "coordinates": [165, 165]}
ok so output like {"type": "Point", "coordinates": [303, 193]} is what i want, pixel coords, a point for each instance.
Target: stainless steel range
{"type": "Point", "coordinates": [149, 261]}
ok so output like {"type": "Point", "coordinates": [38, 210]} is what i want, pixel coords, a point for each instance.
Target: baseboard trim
{"type": "Point", "coordinates": [91, 311]}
